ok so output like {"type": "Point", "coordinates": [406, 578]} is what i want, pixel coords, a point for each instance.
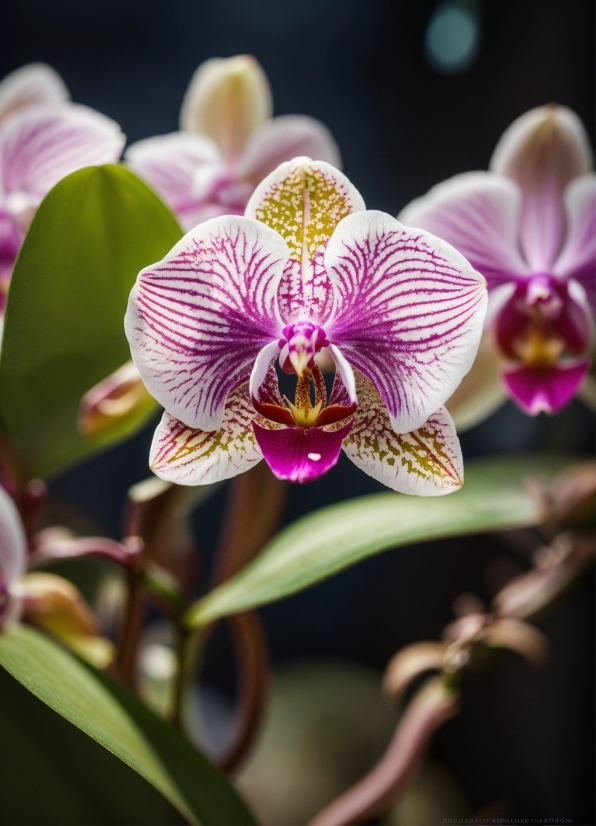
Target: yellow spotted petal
{"type": "Point", "coordinates": [304, 201]}
{"type": "Point", "coordinates": [425, 462]}
{"type": "Point", "coordinates": [188, 456]}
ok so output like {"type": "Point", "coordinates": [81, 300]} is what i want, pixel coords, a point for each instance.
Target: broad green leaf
{"type": "Point", "coordinates": [64, 326]}
{"type": "Point", "coordinates": [117, 720]}
{"type": "Point", "coordinates": [333, 538]}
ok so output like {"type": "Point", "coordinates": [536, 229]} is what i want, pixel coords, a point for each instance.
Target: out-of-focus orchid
{"type": "Point", "coordinates": [42, 599]}
{"type": "Point", "coordinates": [529, 225]}
{"type": "Point", "coordinates": [43, 138]}
{"type": "Point", "coordinates": [307, 269]}
{"type": "Point", "coordinates": [227, 144]}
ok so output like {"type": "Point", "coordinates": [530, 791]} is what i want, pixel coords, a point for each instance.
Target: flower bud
{"type": "Point", "coordinates": [115, 405]}
{"type": "Point", "coordinates": [227, 99]}
{"type": "Point", "coordinates": [55, 605]}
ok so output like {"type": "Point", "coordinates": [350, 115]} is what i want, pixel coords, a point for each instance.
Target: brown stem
{"type": "Point", "coordinates": [251, 654]}
{"type": "Point", "coordinates": [253, 513]}
{"type": "Point", "coordinates": [397, 769]}
{"type": "Point", "coordinates": [130, 629]}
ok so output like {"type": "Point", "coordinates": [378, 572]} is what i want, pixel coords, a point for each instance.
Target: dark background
{"type": "Point", "coordinates": [402, 125]}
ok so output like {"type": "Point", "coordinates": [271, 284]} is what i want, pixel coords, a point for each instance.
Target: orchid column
{"type": "Point", "coordinates": [308, 269]}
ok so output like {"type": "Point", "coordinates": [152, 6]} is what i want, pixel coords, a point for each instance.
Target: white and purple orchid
{"type": "Point", "coordinates": [227, 144]}
{"type": "Point", "coordinates": [307, 270]}
{"type": "Point", "coordinates": [43, 138]}
{"type": "Point", "coordinates": [529, 226]}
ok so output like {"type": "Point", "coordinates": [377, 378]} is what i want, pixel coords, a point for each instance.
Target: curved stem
{"type": "Point", "coordinates": [251, 654]}
{"type": "Point", "coordinates": [397, 769]}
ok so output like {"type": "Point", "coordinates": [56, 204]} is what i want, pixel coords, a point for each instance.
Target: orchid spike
{"type": "Point", "coordinates": [529, 226]}
{"type": "Point", "coordinates": [41, 143]}
{"type": "Point", "coordinates": [307, 270]}
{"type": "Point", "coordinates": [227, 144]}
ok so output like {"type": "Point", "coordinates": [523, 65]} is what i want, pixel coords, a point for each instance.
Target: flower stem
{"type": "Point", "coordinates": [130, 630]}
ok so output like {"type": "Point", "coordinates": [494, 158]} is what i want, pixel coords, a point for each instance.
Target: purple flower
{"type": "Point", "coordinates": [529, 226]}
{"type": "Point", "coordinates": [43, 138]}
{"type": "Point", "coordinates": [307, 270]}
{"type": "Point", "coordinates": [227, 144]}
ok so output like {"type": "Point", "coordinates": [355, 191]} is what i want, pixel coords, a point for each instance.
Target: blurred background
{"type": "Point", "coordinates": [414, 92]}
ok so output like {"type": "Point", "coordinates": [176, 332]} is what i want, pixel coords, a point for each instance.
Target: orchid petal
{"type": "Point", "coordinates": [542, 151]}
{"type": "Point", "coordinates": [197, 320]}
{"type": "Point", "coordinates": [546, 390]}
{"type": "Point", "coordinates": [283, 138]}
{"type": "Point", "coordinates": [409, 312]}
{"type": "Point", "coordinates": [478, 214]}
{"type": "Point", "coordinates": [30, 85]}
{"type": "Point", "coordinates": [13, 545]}
{"type": "Point", "coordinates": [575, 325]}
{"type": "Point", "coordinates": [41, 145]}
{"type": "Point", "coordinates": [304, 201]}
{"type": "Point", "coordinates": [426, 462]}
{"type": "Point", "coordinates": [299, 454]}
{"type": "Point", "coordinates": [481, 391]}
{"type": "Point", "coordinates": [578, 256]}
{"type": "Point", "coordinates": [168, 163]}
{"type": "Point", "coordinates": [227, 99]}
{"type": "Point", "coordinates": [193, 457]}
{"type": "Point", "coordinates": [346, 375]}
{"type": "Point", "coordinates": [262, 368]}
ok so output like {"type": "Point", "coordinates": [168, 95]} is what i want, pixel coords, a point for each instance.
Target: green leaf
{"type": "Point", "coordinates": [117, 720]}
{"type": "Point", "coordinates": [333, 538]}
{"type": "Point", "coordinates": [64, 326]}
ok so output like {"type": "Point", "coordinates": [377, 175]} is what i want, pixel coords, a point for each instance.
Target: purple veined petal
{"type": "Point", "coordinates": [13, 545]}
{"type": "Point", "coordinates": [304, 201]}
{"type": "Point", "coordinates": [197, 320]}
{"type": "Point", "coordinates": [578, 256]}
{"type": "Point", "coordinates": [169, 164]}
{"type": "Point", "coordinates": [542, 151]}
{"type": "Point", "coordinates": [227, 99]}
{"type": "Point", "coordinates": [30, 85]}
{"type": "Point", "coordinates": [409, 312]}
{"type": "Point", "coordinates": [426, 462]}
{"type": "Point", "coordinates": [478, 214]}
{"type": "Point", "coordinates": [41, 145]}
{"type": "Point", "coordinates": [300, 455]}
{"type": "Point", "coordinates": [11, 238]}
{"type": "Point", "coordinates": [193, 457]}
{"type": "Point", "coordinates": [547, 390]}
{"type": "Point", "coordinates": [481, 391]}
{"type": "Point", "coordinates": [284, 138]}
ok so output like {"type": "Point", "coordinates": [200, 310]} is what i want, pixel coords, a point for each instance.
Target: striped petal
{"type": "Point", "coordinates": [578, 256]}
{"type": "Point", "coordinates": [425, 462]}
{"type": "Point", "coordinates": [41, 145]}
{"type": "Point", "coordinates": [409, 312]}
{"type": "Point", "coordinates": [30, 85]}
{"type": "Point", "coordinates": [197, 320]}
{"type": "Point", "coordinates": [543, 151]}
{"type": "Point", "coordinates": [188, 456]}
{"type": "Point", "coordinates": [478, 214]}
{"type": "Point", "coordinates": [304, 201]}
{"type": "Point", "coordinates": [169, 163]}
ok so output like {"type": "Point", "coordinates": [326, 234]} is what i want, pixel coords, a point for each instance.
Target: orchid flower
{"type": "Point", "coordinates": [43, 138]}
{"type": "Point", "coordinates": [227, 144]}
{"type": "Point", "coordinates": [307, 270]}
{"type": "Point", "coordinates": [48, 601]}
{"type": "Point", "coordinates": [529, 226]}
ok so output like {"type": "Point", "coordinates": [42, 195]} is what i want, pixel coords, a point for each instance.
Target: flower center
{"type": "Point", "coordinates": [300, 344]}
